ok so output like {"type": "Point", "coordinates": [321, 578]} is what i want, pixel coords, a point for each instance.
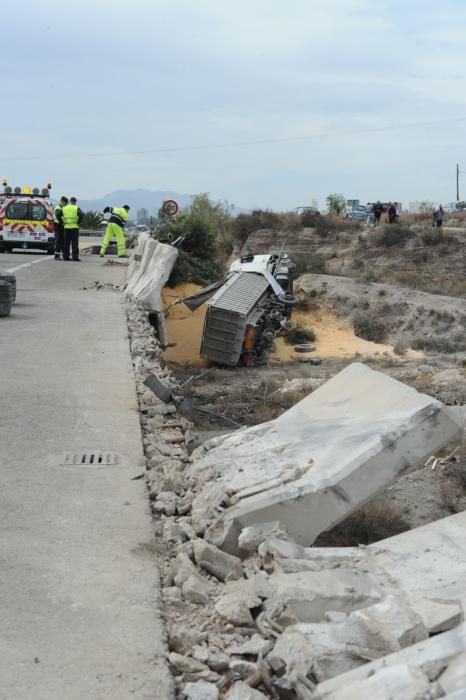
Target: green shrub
{"type": "Point", "coordinates": [245, 224]}
{"type": "Point", "coordinates": [369, 326]}
{"type": "Point", "coordinates": [309, 220]}
{"type": "Point", "coordinates": [309, 262]}
{"type": "Point", "coordinates": [441, 343]}
{"type": "Point", "coordinates": [189, 268]}
{"type": "Point", "coordinates": [300, 333]}
{"type": "Point", "coordinates": [393, 234]}
{"type": "Point", "coordinates": [400, 347]}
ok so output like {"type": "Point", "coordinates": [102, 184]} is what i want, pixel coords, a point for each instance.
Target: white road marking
{"type": "Point", "coordinates": [28, 264]}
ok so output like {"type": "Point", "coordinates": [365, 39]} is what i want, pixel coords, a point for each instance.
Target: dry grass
{"type": "Point", "coordinates": [309, 303]}
{"type": "Point", "coordinates": [453, 286]}
{"type": "Point", "coordinates": [453, 484]}
{"type": "Point", "coordinates": [455, 342]}
{"type": "Point", "coordinates": [376, 521]}
{"type": "Point", "coordinates": [400, 347]}
{"type": "Point", "coordinates": [308, 263]}
{"type": "Point", "coordinates": [393, 235]}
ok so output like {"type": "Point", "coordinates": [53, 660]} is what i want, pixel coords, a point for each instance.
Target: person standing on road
{"type": "Point", "coordinates": [391, 213]}
{"type": "Point", "coordinates": [438, 216]}
{"type": "Point", "coordinates": [72, 217]}
{"type": "Point", "coordinates": [58, 226]}
{"type": "Point", "coordinates": [377, 209]}
{"type": "Point", "coordinates": [115, 227]}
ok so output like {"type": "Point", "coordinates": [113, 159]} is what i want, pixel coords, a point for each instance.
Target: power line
{"type": "Point", "coordinates": [236, 144]}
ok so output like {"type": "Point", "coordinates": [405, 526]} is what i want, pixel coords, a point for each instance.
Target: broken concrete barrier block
{"type": "Point", "coordinates": [165, 503]}
{"type": "Point", "coordinates": [435, 652]}
{"type": "Point", "coordinates": [240, 597]}
{"type": "Point", "coordinates": [438, 615]}
{"type": "Point", "coordinates": [185, 664]}
{"type": "Point", "coordinates": [243, 668]}
{"type": "Point", "coordinates": [235, 609]}
{"type": "Point", "coordinates": [320, 460]}
{"type": "Point", "coordinates": [242, 691]}
{"type": "Point", "coordinates": [454, 677]}
{"type": "Point", "coordinates": [389, 625]}
{"type": "Point", "coordinates": [196, 590]}
{"type": "Point", "coordinates": [183, 568]}
{"type": "Point", "coordinates": [320, 649]}
{"type": "Point", "coordinates": [290, 557]}
{"type": "Point", "coordinates": [427, 562]}
{"type": "Point", "coordinates": [200, 691]}
{"type": "Point", "coordinates": [405, 682]}
{"type": "Point", "coordinates": [217, 563]}
{"type": "Point", "coordinates": [254, 646]}
{"type": "Point", "coordinates": [218, 662]}
{"type": "Point", "coordinates": [307, 596]}
{"type": "Point", "coordinates": [251, 537]}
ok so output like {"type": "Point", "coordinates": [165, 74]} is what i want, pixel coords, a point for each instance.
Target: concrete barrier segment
{"type": "Point", "coordinates": [148, 273]}
{"type": "Point", "coordinates": [319, 461]}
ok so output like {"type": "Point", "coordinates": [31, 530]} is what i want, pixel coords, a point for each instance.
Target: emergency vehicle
{"type": "Point", "coordinates": [26, 218]}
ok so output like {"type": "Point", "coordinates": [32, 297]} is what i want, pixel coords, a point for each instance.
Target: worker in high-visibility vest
{"type": "Point", "coordinates": [115, 227]}
{"type": "Point", "coordinates": [58, 229]}
{"type": "Point", "coordinates": [71, 216]}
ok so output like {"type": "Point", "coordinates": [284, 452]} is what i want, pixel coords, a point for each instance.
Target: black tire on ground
{"type": "Point", "coordinates": [11, 279]}
{"type": "Point", "coordinates": [50, 251]}
{"type": "Point", "coordinates": [304, 347]}
{"type": "Point", "coordinates": [5, 298]}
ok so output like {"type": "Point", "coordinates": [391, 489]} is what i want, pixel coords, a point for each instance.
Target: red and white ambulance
{"type": "Point", "coordinates": [26, 219]}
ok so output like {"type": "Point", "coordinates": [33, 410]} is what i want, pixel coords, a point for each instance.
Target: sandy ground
{"type": "Point", "coordinates": [335, 337]}
{"type": "Point", "coordinates": [184, 327]}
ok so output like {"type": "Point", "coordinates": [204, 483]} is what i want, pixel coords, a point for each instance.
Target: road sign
{"type": "Point", "coordinates": [170, 207]}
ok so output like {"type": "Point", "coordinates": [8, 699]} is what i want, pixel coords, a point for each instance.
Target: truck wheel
{"type": "Point", "coordinates": [11, 280]}
{"type": "Point", "coordinates": [288, 299]}
{"type": "Point", "coordinates": [304, 347]}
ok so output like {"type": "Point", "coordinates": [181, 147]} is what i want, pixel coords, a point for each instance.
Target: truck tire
{"type": "Point", "coordinates": [5, 298]}
{"type": "Point", "coordinates": [288, 299]}
{"type": "Point", "coordinates": [11, 279]}
{"type": "Point", "coordinates": [304, 347]}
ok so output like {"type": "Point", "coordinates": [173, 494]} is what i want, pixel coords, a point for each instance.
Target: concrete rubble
{"type": "Point", "coordinates": [266, 615]}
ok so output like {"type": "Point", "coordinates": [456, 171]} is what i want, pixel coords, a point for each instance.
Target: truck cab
{"type": "Point", "coordinates": [26, 219]}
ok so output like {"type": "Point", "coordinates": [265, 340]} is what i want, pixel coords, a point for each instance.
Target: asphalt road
{"type": "Point", "coordinates": [78, 583]}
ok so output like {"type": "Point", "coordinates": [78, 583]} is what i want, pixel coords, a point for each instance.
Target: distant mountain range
{"type": "Point", "coordinates": [136, 199]}
{"type": "Point", "coordinates": [141, 199]}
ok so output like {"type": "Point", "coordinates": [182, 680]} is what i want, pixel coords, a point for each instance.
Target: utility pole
{"type": "Point", "coordinates": [457, 182]}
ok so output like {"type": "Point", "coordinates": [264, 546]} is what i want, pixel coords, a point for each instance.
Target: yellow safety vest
{"type": "Point", "coordinates": [70, 216]}
{"type": "Point", "coordinates": [55, 212]}
{"type": "Point", "coordinates": [118, 216]}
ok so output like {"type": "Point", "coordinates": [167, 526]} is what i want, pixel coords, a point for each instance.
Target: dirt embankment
{"type": "Point", "coordinates": [416, 257]}
{"type": "Point", "coordinates": [390, 313]}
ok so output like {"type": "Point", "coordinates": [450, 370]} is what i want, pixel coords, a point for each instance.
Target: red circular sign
{"type": "Point", "coordinates": [170, 207]}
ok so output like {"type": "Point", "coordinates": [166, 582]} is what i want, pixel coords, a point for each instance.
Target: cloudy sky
{"type": "Point", "coordinates": [263, 102]}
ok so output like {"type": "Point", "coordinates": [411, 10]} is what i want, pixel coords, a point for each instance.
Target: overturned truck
{"type": "Point", "coordinates": [247, 309]}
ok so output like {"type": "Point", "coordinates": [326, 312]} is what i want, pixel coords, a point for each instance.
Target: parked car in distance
{"type": "Point", "coordinates": [306, 210]}
{"type": "Point", "coordinates": [360, 213]}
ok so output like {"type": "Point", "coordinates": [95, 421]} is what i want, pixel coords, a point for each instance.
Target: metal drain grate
{"type": "Point", "coordinates": [90, 459]}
